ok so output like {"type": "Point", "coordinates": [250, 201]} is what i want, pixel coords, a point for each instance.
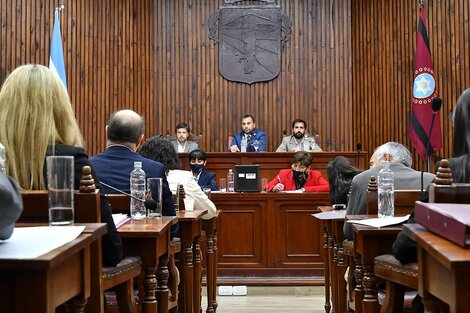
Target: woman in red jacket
{"type": "Point", "coordinates": [300, 177]}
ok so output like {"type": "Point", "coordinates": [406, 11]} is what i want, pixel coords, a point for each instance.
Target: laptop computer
{"type": "Point", "coordinates": [247, 178]}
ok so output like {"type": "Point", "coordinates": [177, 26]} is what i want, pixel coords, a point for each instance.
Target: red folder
{"type": "Point", "coordinates": [449, 220]}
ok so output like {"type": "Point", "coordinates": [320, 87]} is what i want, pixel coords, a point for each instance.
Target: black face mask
{"type": "Point", "coordinates": [197, 168]}
{"type": "Point", "coordinates": [300, 176]}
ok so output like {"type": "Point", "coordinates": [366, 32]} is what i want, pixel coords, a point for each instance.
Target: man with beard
{"type": "Point", "coordinates": [299, 177]}
{"type": "Point", "coordinates": [298, 141]}
{"type": "Point", "coordinates": [250, 139]}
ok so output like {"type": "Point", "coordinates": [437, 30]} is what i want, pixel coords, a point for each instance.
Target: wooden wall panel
{"type": "Point", "coordinates": [383, 45]}
{"type": "Point", "coordinates": [347, 68]}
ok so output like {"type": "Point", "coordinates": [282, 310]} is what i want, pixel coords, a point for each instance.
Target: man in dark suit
{"type": "Point", "coordinates": [125, 134]}
{"type": "Point", "coordinates": [198, 160]}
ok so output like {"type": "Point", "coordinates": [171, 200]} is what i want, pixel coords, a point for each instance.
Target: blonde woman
{"type": "Point", "coordinates": [36, 120]}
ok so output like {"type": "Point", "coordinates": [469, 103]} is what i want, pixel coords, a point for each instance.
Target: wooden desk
{"type": "Point", "coordinates": [190, 260]}
{"type": "Point", "coordinates": [270, 238]}
{"type": "Point", "coordinates": [444, 269]}
{"type": "Point", "coordinates": [210, 229]}
{"type": "Point", "coordinates": [334, 262]}
{"type": "Point", "coordinates": [52, 279]}
{"type": "Point", "coordinates": [370, 242]}
{"type": "Point", "coordinates": [271, 162]}
{"type": "Point", "coordinates": [150, 239]}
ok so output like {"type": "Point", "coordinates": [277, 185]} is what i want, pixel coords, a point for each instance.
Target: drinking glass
{"type": "Point", "coordinates": [223, 185]}
{"type": "Point", "coordinates": [255, 144]}
{"type": "Point", "coordinates": [207, 191]}
{"type": "Point", "coordinates": [264, 184]}
{"type": "Point", "coordinates": [60, 186]}
{"type": "Point", "coordinates": [153, 198]}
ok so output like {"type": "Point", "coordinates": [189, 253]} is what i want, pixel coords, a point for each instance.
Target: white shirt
{"type": "Point", "coordinates": [181, 147]}
{"type": "Point", "coordinates": [193, 190]}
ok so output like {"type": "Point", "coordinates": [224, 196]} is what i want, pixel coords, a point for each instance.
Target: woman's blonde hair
{"type": "Point", "coordinates": [35, 114]}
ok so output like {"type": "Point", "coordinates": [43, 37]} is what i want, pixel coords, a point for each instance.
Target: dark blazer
{"type": "Point", "coordinates": [111, 241]}
{"type": "Point", "coordinates": [256, 134]}
{"type": "Point", "coordinates": [207, 180]}
{"type": "Point", "coordinates": [114, 166]}
{"type": "Point", "coordinates": [11, 205]}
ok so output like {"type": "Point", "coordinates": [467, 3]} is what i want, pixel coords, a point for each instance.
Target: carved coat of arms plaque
{"type": "Point", "coordinates": [249, 39]}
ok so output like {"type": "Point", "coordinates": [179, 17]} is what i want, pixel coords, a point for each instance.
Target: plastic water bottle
{"type": "Point", "coordinates": [243, 144]}
{"type": "Point", "coordinates": [306, 143]}
{"type": "Point", "coordinates": [313, 143]}
{"type": "Point", "coordinates": [138, 191]}
{"type": "Point", "coordinates": [386, 205]}
{"type": "Point", "coordinates": [230, 181]}
{"type": "Point", "coordinates": [3, 159]}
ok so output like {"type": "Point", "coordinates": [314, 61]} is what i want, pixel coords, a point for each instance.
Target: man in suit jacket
{"type": "Point", "coordinates": [298, 141]}
{"type": "Point", "coordinates": [182, 144]}
{"type": "Point", "coordinates": [404, 178]}
{"type": "Point", "coordinates": [125, 134]}
{"type": "Point", "coordinates": [205, 179]}
{"type": "Point", "coordinates": [11, 206]}
{"type": "Point", "coordinates": [249, 138]}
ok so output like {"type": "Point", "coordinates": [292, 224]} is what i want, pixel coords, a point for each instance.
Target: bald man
{"type": "Point", "coordinates": [125, 134]}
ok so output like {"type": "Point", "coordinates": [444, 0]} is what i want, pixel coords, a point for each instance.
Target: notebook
{"type": "Point", "coordinates": [247, 178]}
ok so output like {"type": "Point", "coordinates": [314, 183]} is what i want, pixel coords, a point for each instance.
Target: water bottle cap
{"type": "Point", "coordinates": [138, 164]}
{"type": "Point", "coordinates": [230, 170]}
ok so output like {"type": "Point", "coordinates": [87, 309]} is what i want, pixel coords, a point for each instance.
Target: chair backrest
{"type": "Point", "coordinates": [119, 203]}
{"type": "Point", "coordinates": [404, 199]}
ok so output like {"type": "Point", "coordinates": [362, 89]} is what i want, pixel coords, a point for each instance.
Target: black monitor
{"type": "Point", "coordinates": [247, 178]}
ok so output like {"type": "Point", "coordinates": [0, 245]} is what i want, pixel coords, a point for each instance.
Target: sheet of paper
{"type": "Point", "coordinates": [334, 214]}
{"type": "Point", "coordinates": [381, 222]}
{"type": "Point", "coordinates": [120, 219]}
{"type": "Point", "coordinates": [31, 242]}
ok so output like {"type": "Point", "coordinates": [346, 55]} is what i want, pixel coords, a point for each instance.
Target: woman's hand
{"type": "Point", "coordinates": [278, 187]}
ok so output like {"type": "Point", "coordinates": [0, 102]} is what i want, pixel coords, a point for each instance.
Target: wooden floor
{"type": "Point", "coordinates": [274, 300]}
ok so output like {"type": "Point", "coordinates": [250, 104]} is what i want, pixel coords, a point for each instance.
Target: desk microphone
{"type": "Point", "coordinates": [436, 104]}
{"type": "Point", "coordinates": [124, 193]}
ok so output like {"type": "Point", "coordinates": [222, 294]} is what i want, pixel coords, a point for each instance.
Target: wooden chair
{"type": "Point", "coordinates": [121, 204]}
{"type": "Point", "coordinates": [87, 210]}
{"type": "Point", "coordinates": [399, 277]}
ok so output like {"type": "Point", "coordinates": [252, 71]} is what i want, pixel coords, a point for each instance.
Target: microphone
{"type": "Point", "coordinates": [125, 193]}
{"type": "Point", "coordinates": [436, 104]}
{"type": "Point", "coordinates": [151, 204]}
{"type": "Point", "coordinates": [359, 146]}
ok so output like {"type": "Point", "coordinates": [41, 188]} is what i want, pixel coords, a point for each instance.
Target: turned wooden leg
{"type": "Point", "coordinates": [147, 297]}
{"type": "Point", "coordinates": [210, 272]}
{"type": "Point", "coordinates": [162, 284]}
{"type": "Point", "coordinates": [197, 275]}
{"type": "Point", "coordinates": [326, 267]}
{"type": "Point", "coordinates": [342, 265]}
{"type": "Point", "coordinates": [214, 270]}
{"type": "Point", "coordinates": [185, 300]}
{"type": "Point", "coordinates": [359, 289]}
{"type": "Point", "coordinates": [370, 303]}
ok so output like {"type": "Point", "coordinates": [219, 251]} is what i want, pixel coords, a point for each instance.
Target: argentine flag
{"type": "Point", "coordinates": [56, 60]}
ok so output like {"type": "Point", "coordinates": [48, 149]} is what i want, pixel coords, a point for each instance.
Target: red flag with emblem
{"type": "Point", "coordinates": [424, 90]}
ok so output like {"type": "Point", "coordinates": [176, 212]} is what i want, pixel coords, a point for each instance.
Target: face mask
{"type": "Point", "coordinates": [299, 176]}
{"type": "Point", "coordinates": [197, 168]}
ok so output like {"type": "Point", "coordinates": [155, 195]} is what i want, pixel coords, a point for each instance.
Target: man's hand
{"type": "Point", "coordinates": [234, 148]}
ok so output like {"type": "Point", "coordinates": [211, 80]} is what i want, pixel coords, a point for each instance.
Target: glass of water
{"type": "Point", "coordinates": [60, 185]}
